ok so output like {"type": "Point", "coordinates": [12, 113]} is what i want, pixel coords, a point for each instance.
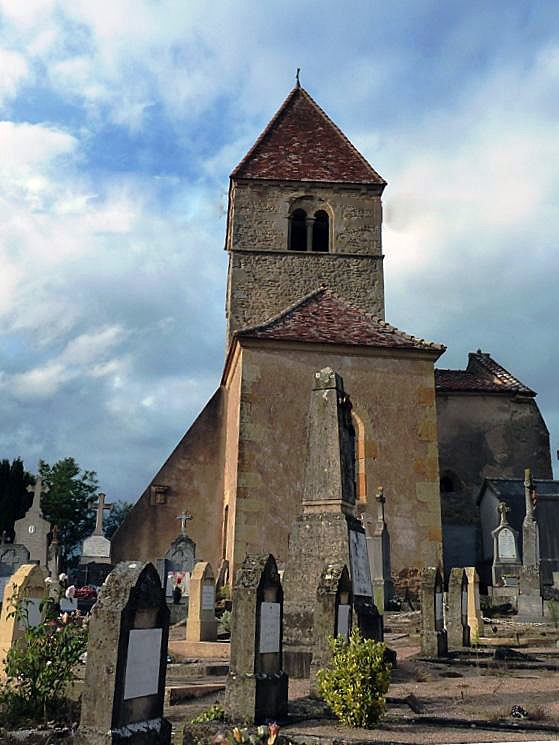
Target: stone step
{"type": "Point", "coordinates": [180, 693]}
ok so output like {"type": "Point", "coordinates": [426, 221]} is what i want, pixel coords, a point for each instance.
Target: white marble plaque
{"type": "Point", "coordinates": [208, 597]}
{"type": "Point", "coordinates": [360, 570]}
{"type": "Point", "coordinates": [270, 623]}
{"type": "Point", "coordinates": [97, 545]}
{"type": "Point", "coordinates": [142, 665]}
{"type": "Point", "coordinates": [343, 621]}
{"type": "Point", "coordinates": [33, 613]}
{"type": "Point", "coordinates": [507, 545]}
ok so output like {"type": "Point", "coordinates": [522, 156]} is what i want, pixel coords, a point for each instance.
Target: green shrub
{"type": "Point", "coordinates": [225, 621]}
{"type": "Point", "coordinates": [41, 664]}
{"type": "Point", "coordinates": [356, 681]}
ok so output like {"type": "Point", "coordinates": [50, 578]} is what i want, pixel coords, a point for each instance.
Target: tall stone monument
{"type": "Point", "coordinates": [97, 548]}
{"type": "Point", "coordinates": [379, 556]}
{"type": "Point", "coordinates": [181, 556]}
{"type": "Point", "coordinates": [506, 556]}
{"type": "Point", "coordinates": [530, 532]}
{"type": "Point", "coordinates": [475, 617]}
{"type": "Point", "coordinates": [434, 641]}
{"type": "Point", "coordinates": [458, 630]}
{"type": "Point", "coordinates": [126, 661]}
{"type": "Point", "coordinates": [201, 624]}
{"type": "Point", "coordinates": [326, 531]}
{"type": "Point", "coordinates": [33, 530]}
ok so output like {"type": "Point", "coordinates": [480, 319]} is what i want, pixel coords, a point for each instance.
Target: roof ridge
{"type": "Point", "coordinates": [496, 370]}
{"type": "Point", "coordinates": [277, 117]}
{"type": "Point", "coordinates": [286, 311]}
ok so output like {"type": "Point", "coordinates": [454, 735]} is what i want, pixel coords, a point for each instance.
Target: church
{"type": "Point", "coordinates": [305, 290]}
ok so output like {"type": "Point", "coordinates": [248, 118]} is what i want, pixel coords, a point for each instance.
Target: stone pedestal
{"type": "Point", "coordinates": [256, 688]}
{"type": "Point", "coordinates": [530, 601]}
{"type": "Point", "coordinates": [201, 625]}
{"type": "Point", "coordinates": [458, 631]}
{"type": "Point", "coordinates": [475, 617]}
{"type": "Point", "coordinates": [27, 582]}
{"type": "Point", "coordinates": [126, 661]}
{"type": "Point", "coordinates": [433, 633]}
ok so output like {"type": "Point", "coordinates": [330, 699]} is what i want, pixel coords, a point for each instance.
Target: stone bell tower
{"type": "Point", "coordinates": [304, 211]}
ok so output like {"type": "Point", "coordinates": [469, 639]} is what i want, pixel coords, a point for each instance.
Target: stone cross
{"type": "Point", "coordinates": [529, 492]}
{"type": "Point", "coordinates": [99, 518]}
{"type": "Point", "coordinates": [530, 530]}
{"type": "Point", "coordinates": [37, 490]}
{"type": "Point", "coordinates": [504, 509]}
{"type": "Point", "coordinates": [184, 517]}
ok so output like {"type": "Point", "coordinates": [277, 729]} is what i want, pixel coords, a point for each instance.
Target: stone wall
{"type": "Point", "coordinates": [483, 436]}
{"type": "Point", "coordinates": [393, 394]}
{"type": "Point", "coordinates": [193, 477]}
{"type": "Point", "coordinates": [264, 277]}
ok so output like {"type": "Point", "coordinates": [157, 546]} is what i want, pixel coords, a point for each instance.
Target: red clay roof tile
{"type": "Point", "coordinates": [302, 143]}
{"type": "Point", "coordinates": [483, 375]}
{"type": "Point", "coordinates": [322, 317]}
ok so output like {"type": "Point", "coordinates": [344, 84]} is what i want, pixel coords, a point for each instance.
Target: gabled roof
{"type": "Point", "coordinates": [483, 375]}
{"type": "Point", "coordinates": [322, 317]}
{"type": "Point", "coordinates": [302, 143]}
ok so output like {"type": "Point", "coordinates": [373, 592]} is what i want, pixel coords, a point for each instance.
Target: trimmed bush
{"type": "Point", "coordinates": [356, 681]}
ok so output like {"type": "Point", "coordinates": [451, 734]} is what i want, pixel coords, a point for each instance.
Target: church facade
{"type": "Point", "coordinates": [305, 290]}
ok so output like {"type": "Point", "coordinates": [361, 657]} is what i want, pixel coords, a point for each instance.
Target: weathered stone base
{"type": "Point", "coordinates": [150, 732]}
{"type": "Point", "coordinates": [434, 644]}
{"type": "Point", "coordinates": [256, 698]}
{"type": "Point", "coordinates": [201, 631]}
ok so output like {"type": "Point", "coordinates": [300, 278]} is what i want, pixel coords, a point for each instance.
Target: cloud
{"type": "Point", "coordinates": [13, 70]}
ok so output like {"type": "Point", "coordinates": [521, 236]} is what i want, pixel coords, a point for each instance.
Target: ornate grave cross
{"type": "Point", "coordinates": [504, 509]}
{"type": "Point", "coordinates": [99, 518]}
{"type": "Point", "coordinates": [184, 517]}
{"type": "Point", "coordinates": [37, 490]}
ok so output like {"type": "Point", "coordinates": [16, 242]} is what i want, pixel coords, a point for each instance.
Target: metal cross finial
{"type": "Point", "coordinates": [99, 518]}
{"type": "Point", "coordinates": [297, 77]}
{"type": "Point", "coordinates": [183, 517]}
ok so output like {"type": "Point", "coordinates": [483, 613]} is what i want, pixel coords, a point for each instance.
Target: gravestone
{"type": "Point", "coordinates": [182, 551]}
{"type": "Point", "coordinates": [458, 631]}
{"type": "Point", "coordinates": [332, 616]}
{"type": "Point", "coordinates": [97, 549]}
{"type": "Point", "coordinates": [33, 530]}
{"type": "Point", "coordinates": [326, 531]}
{"type": "Point", "coordinates": [201, 624]}
{"type": "Point", "coordinates": [530, 600]}
{"type": "Point", "coordinates": [12, 556]}
{"type": "Point", "coordinates": [126, 661]}
{"type": "Point", "coordinates": [475, 617]}
{"type": "Point", "coordinates": [433, 633]}
{"type": "Point", "coordinates": [222, 576]}
{"type": "Point", "coordinates": [27, 583]}
{"type": "Point", "coordinates": [506, 557]}
{"type": "Point", "coordinates": [256, 689]}
{"type": "Point", "coordinates": [379, 556]}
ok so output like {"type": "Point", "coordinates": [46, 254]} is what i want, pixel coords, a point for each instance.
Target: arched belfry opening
{"type": "Point", "coordinates": [320, 232]}
{"type": "Point", "coordinates": [298, 230]}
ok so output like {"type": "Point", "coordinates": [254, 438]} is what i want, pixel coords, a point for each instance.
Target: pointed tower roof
{"type": "Point", "coordinates": [302, 143]}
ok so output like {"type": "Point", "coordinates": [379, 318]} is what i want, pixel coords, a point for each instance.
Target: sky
{"type": "Point", "coordinates": [120, 122]}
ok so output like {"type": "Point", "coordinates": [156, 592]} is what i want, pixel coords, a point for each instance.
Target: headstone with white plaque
{"type": "Point", "coordinates": [433, 632]}
{"type": "Point", "coordinates": [256, 688]}
{"type": "Point", "coordinates": [126, 661]}
{"type": "Point", "coordinates": [97, 548]}
{"type": "Point", "coordinates": [506, 556]}
{"type": "Point", "coordinates": [33, 530]}
{"type": "Point", "coordinates": [201, 624]}
{"type": "Point", "coordinates": [332, 616]}
{"type": "Point", "coordinates": [26, 585]}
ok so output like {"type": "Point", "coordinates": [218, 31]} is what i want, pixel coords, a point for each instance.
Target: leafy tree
{"type": "Point", "coordinates": [69, 504]}
{"type": "Point", "coordinates": [15, 500]}
{"type": "Point", "coordinates": [116, 517]}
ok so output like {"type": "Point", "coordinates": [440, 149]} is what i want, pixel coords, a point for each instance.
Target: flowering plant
{"type": "Point", "coordinates": [41, 664]}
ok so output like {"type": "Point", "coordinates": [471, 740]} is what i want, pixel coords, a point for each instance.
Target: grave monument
{"type": "Point", "coordinates": [27, 583]}
{"type": "Point", "coordinates": [126, 661]}
{"type": "Point", "coordinates": [379, 556]}
{"type": "Point", "coordinates": [475, 617]}
{"type": "Point", "coordinates": [326, 531]}
{"type": "Point", "coordinates": [33, 530]}
{"type": "Point", "coordinates": [12, 556]}
{"type": "Point", "coordinates": [256, 688]}
{"type": "Point", "coordinates": [95, 560]}
{"type": "Point", "coordinates": [332, 616]}
{"type": "Point", "coordinates": [201, 624]}
{"type": "Point", "coordinates": [457, 626]}
{"type": "Point", "coordinates": [506, 559]}
{"type": "Point", "coordinates": [433, 632]}
{"type": "Point", "coordinates": [530, 601]}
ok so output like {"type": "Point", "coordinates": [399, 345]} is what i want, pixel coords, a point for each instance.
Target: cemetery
{"type": "Point", "coordinates": [277, 654]}
{"type": "Point", "coordinates": [305, 567]}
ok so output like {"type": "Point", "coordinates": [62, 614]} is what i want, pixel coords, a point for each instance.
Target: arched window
{"type": "Point", "coordinates": [320, 232]}
{"type": "Point", "coordinates": [298, 231]}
